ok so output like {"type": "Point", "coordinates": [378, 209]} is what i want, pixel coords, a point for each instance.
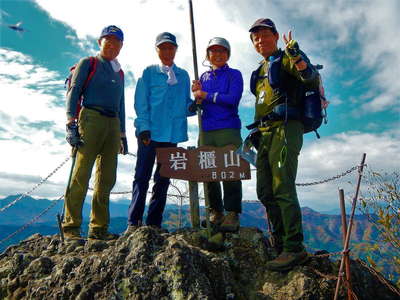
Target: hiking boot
{"type": "Point", "coordinates": [216, 218]}
{"type": "Point", "coordinates": [72, 233]}
{"type": "Point", "coordinates": [101, 234]}
{"type": "Point", "coordinates": [231, 222]}
{"type": "Point", "coordinates": [130, 229]}
{"type": "Point", "coordinates": [287, 260]}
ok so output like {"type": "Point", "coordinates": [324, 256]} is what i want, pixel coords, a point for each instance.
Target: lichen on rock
{"type": "Point", "coordinates": [151, 263]}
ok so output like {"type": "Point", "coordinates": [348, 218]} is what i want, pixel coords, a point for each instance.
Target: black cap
{"type": "Point", "coordinates": [263, 23]}
{"type": "Point", "coordinates": [165, 37]}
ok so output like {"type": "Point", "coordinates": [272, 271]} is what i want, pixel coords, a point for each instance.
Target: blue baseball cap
{"type": "Point", "coordinates": [112, 30]}
{"type": "Point", "coordinates": [165, 37]}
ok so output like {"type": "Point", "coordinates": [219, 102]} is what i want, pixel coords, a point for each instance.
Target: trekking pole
{"type": "Point", "coordinates": [61, 217]}
{"type": "Point", "coordinates": [201, 135]}
{"type": "Point", "coordinates": [348, 233]}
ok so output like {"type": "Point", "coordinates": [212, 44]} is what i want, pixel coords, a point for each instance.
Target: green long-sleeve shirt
{"type": "Point", "coordinates": [105, 89]}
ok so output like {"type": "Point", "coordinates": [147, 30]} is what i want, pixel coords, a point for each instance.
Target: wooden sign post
{"type": "Point", "coordinates": [203, 164]}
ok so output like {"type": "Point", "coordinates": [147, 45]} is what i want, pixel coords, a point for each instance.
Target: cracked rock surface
{"type": "Point", "coordinates": [151, 264]}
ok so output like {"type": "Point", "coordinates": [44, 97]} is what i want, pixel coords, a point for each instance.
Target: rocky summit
{"type": "Point", "coordinates": [152, 264]}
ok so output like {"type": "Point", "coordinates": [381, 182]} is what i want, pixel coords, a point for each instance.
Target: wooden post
{"type": "Point", "coordinates": [194, 202]}
{"type": "Point", "coordinates": [347, 241]}
{"type": "Point", "coordinates": [344, 230]}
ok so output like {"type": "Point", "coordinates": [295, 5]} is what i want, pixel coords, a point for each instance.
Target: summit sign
{"type": "Point", "coordinates": [203, 164]}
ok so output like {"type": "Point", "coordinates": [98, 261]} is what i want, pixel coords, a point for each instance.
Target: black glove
{"type": "Point", "coordinates": [73, 137]}
{"type": "Point", "coordinates": [145, 136]}
{"type": "Point", "coordinates": [194, 107]}
{"type": "Point", "coordinates": [124, 144]}
{"type": "Point", "coordinates": [292, 49]}
{"type": "Point", "coordinates": [255, 136]}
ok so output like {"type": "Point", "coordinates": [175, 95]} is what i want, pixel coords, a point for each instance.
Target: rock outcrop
{"type": "Point", "coordinates": [153, 264]}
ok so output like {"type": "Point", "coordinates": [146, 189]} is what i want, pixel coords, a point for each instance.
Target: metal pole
{"type": "Point", "coordinates": [344, 229]}
{"type": "Point", "coordinates": [61, 217]}
{"type": "Point", "coordinates": [201, 137]}
{"type": "Point", "coordinates": [347, 241]}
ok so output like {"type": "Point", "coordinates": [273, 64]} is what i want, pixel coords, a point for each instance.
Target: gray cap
{"type": "Point", "coordinates": [165, 37]}
{"type": "Point", "coordinates": [220, 42]}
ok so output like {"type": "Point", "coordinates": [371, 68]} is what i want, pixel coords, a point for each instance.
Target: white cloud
{"type": "Point", "coordinates": [335, 25]}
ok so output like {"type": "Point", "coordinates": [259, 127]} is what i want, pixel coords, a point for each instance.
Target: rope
{"type": "Point", "coordinates": [35, 187]}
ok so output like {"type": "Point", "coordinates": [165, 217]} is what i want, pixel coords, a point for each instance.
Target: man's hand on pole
{"type": "Point", "coordinates": [73, 137]}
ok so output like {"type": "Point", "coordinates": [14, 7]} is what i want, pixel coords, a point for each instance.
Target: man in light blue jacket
{"type": "Point", "coordinates": [162, 105]}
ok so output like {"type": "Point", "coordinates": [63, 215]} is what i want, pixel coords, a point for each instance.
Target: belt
{"type": "Point", "coordinates": [104, 112]}
{"type": "Point", "coordinates": [265, 121]}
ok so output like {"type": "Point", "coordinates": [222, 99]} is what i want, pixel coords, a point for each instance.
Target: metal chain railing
{"type": "Point", "coordinates": [131, 154]}
{"type": "Point", "coordinates": [331, 178]}
{"type": "Point", "coordinates": [22, 228]}
{"type": "Point", "coordinates": [297, 184]}
{"type": "Point", "coordinates": [379, 277]}
{"type": "Point", "coordinates": [35, 187]}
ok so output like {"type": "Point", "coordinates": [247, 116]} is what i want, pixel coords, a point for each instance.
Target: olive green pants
{"type": "Point", "coordinates": [276, 187]}
{"type": "Point", "coordinates": [101, 137]}
{"type": "Point", "coordinates": [232, 189]}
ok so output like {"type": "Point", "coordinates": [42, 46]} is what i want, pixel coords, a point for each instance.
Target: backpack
{"type": "Point", "coordinates": [311, 113]}
{"type": "Point", "coordinates": [67, 83]}
{"type": "Point", "coordinates": [92, 70]}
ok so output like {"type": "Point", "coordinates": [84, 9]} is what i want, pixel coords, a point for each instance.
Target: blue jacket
{"type": "Point", "coordinates": [161, 108]}
{"type": "Point", "coordinates": [105, 89]}
{"type": "Point", "coordinates": [220, 108]}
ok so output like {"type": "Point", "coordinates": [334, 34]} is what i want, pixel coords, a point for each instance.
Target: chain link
{"type": "Point", "coordinates": [31, 221]}
{"type": "Point", "coordinates": [327, 254]}
{"type": "Point", "coordinates": [330, 179]}
{"type": "Point", "coordinates": [35, 187]}
{"type": "Point", "coordinates": [379, 277]}
{"type": "Point", "coordinates": [298, 184]}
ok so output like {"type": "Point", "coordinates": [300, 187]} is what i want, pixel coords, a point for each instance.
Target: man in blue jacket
{"type": "Point", "coordinates": [98, 133]}
{"type": "Point", "coordinates": [162, 105]}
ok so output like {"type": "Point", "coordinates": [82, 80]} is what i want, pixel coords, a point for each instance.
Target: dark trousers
{"type": "Point", "coordinates": [232, 200]}
{"type": "Point", "coordinates": [144, 166]}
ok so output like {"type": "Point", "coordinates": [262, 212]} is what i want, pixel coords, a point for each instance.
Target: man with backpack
{"type": "Point", "coordinates": [279, 85]}
{"type": "Point", "coordinates": [97, 132]}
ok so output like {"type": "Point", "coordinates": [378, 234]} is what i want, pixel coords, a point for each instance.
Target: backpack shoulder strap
{"type": "Point", "coordinates": [92, 70]}
{"type": "Point", "coordinates": [253, 80]}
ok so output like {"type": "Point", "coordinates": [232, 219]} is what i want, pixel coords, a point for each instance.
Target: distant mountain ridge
{"type": "Point", "coordinates": [322, 231]}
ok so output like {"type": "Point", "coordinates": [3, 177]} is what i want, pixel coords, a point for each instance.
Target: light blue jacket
{"type": "Point", "coordinates": [161, 108]}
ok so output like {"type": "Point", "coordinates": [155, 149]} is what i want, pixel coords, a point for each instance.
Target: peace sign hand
{"type": "Point", "coordinates": [292, 47]}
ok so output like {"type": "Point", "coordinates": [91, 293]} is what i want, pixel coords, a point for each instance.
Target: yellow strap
{"type": "Point", "coordinates": [271, 124]}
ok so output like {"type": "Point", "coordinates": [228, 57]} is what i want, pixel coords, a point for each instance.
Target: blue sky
{"type": "Point", "coordinates": [356, 41]}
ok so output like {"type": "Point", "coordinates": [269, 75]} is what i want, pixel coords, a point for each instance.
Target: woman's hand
{"type": "Point", "coordinates": [200, 95]}
{"type": "Point", "coordinates": [196, 85]}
